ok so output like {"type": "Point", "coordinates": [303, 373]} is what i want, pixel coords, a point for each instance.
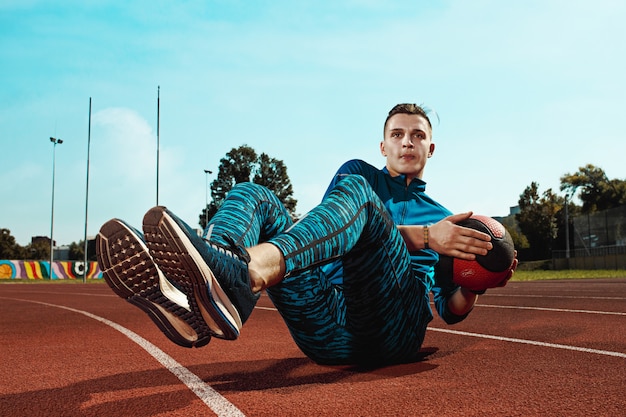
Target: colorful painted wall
{"type": "Point", "coordinates": [41, 270]}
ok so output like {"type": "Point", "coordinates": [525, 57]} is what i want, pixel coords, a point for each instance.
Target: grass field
{"type": "Point", "coordinates": [568, 274]}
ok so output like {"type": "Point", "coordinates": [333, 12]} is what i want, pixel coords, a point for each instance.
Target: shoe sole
{"type": "Point", "coordinates": [179, 259]}
{"type": "Point", "coordinates": [132, 274]}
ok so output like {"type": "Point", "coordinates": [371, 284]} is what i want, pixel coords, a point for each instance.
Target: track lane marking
{"type": "Point", "coordinates": [214, 400]}
{"type": "Point", "coordinates": [515, 340]}
{"type": "Point", "coordinates": [561, 310]}
{"type": "Point", "coordinates": [572, 297]}
{"type": "Point", "coordinates": [534, 342]}
{"type": "Point", "coordinates": [265, 308]}
{"type": "Point", "coordinates": [530, 342]}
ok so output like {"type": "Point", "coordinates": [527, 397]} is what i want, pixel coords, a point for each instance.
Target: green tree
{"type": "Point", "coordinates": [9, 249]}
{"type": "Point", "coordinates": [38, 250]}
{"type": "Point", "coordinates": [519, 239]}
{"type": "Point", "coordinates": [538, 220]}
{"type": "Point", "coordinates": [597, 192]}
{"type": "Point", "coordinates": [243, 165]}
{"type": "Point", "coordinates": [77, 251]}
{"type": "Point", "coordinates": [272, 173]}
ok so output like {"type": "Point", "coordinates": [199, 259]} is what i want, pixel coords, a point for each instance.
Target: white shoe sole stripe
{"type": "Point", "coordinates": [217, 294]}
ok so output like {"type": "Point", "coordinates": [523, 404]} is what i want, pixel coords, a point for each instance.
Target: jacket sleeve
{"type": "Point", "coordinates": [443, 289]}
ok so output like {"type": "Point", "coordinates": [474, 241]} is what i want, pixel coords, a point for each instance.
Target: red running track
{"type": "Point", "coordinates": [551, 348]}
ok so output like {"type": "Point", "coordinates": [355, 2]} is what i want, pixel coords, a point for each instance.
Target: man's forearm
{"type": "Point", "coordinates": [413, 236]}
{"type": "Point", "coordinates": [462, 301]}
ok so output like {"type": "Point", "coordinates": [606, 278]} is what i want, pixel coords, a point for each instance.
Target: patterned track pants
{"type": "Point", "coordinates": [379, 314]}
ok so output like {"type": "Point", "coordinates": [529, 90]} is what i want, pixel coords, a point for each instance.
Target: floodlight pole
{"type": "Point", "coordinates": [54, 141]}
{"type": "Point", "coordinates": [158, 139]}
{"type": "Point", "coordinates": [86, 265]}
{"type": "Point", "coordinates": [206, 197]}
{"type": "Point", "coordinates": [566, 228]}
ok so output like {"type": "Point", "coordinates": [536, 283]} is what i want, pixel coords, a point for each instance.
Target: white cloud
{"type": "Point", "coordinates": [126, 143]}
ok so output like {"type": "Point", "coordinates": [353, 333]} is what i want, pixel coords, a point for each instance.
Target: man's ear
{"type": "Point", "coordinates": [382, 148]}
{"type": "Point", "coordinates": [431, 151]}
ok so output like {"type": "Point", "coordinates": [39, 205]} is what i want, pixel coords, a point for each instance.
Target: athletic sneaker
{"type": "Point", "coordinates": [132, 274]}
{"type": "Point", "coordinates": [216, 275]}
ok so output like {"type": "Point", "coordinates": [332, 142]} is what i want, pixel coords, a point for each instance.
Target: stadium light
{"type": "Point", "coordinates": [158, 141]}
{"type": "Point", "coordinates": [567, 196]}
{"type": "Point", "coordinates": [86, 246]}
{"type": "Point", "coordinates": [55, 142]}
{"type": "Point", "coordinates": [206, 197]}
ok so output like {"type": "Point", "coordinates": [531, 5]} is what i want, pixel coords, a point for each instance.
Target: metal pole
{"type": "Point", "coordinates": [55, 141]}
{"type": "Point", "coordinates": [85, 267]}
{"type": "Point", "coordinates": [158, 144]}
{"type": "Point", "coordinates": [206, 197]}
{"type": "Point", "coordinates": [566, 227]}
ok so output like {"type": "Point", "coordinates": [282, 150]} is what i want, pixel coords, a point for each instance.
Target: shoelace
{"type": "Point", "coordinates": [233, 249]}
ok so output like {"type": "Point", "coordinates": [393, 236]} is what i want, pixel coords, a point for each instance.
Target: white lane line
{"type": "Point", "coordinates": [266, 308]}
{"type": "Point", "coordinates": [216, 402]}
{"type": "Point", "coordinates": [530, 342]}
{"type": "Point", "coordinates": [562, 310]}
{"type": "Point", "coordinates": [574, 297]}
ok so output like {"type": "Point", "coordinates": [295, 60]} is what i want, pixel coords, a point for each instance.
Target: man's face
{"type": "Point", "coordinates": [407, 145]}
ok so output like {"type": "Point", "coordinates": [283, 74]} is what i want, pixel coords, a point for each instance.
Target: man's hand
{"type": "Point", "coordinates": [448, 238]}
{"type": "Point", "coordinates": [511, 271]}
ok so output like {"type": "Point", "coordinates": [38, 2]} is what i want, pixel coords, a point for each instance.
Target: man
{"type": "Point", "coordinates": [351, 278]}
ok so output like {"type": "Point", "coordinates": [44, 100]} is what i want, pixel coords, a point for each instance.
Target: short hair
{"type": "Point", "coordinates": [408, 108]}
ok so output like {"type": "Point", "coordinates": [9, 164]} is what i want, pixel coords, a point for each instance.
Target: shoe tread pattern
{"type": "Point", "coordinates": [131, 273]}
{"type": "Point", "coordinates": [175, 261]}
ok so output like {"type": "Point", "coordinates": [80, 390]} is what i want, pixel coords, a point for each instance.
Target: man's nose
{"type": "Point", "coordinates": [407, 142]}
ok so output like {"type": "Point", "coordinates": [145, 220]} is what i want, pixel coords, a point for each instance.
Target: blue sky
{"type": "Point", "coordinates": [525, 91]}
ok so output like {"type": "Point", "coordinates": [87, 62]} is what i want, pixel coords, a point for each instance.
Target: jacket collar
{"type": "Point", "coordinates": [416, 184]}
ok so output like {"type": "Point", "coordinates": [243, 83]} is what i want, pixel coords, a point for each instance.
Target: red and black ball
{"type": "Point", "coordinates": [486, 271]}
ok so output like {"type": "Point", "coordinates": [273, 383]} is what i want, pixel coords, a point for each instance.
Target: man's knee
{"type": "Point", "coordinates": [356, 181]}
{"type": "Point", "coordinates": [248, 186]}
{"type": "Point", "coordinates": [357, 185]}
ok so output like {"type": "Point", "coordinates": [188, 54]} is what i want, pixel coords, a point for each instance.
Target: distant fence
{"type": "Point", "coordinates": [602, 257]}
{"type": "Point", "coordinates": [41, 270]}
{"type": "Point", "coordinates": [602, 228]}
{"type": "Point", "coordinates": [598, 241]}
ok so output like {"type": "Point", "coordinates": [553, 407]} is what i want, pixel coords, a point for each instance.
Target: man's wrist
{"type": "Point", "coordinates": [472, 292]}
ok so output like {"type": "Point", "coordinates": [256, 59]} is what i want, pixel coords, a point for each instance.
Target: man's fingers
{"type": "Point", "coordinates": [475, 234]}
{"type": "Point", "coordinates": [463, 255]}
